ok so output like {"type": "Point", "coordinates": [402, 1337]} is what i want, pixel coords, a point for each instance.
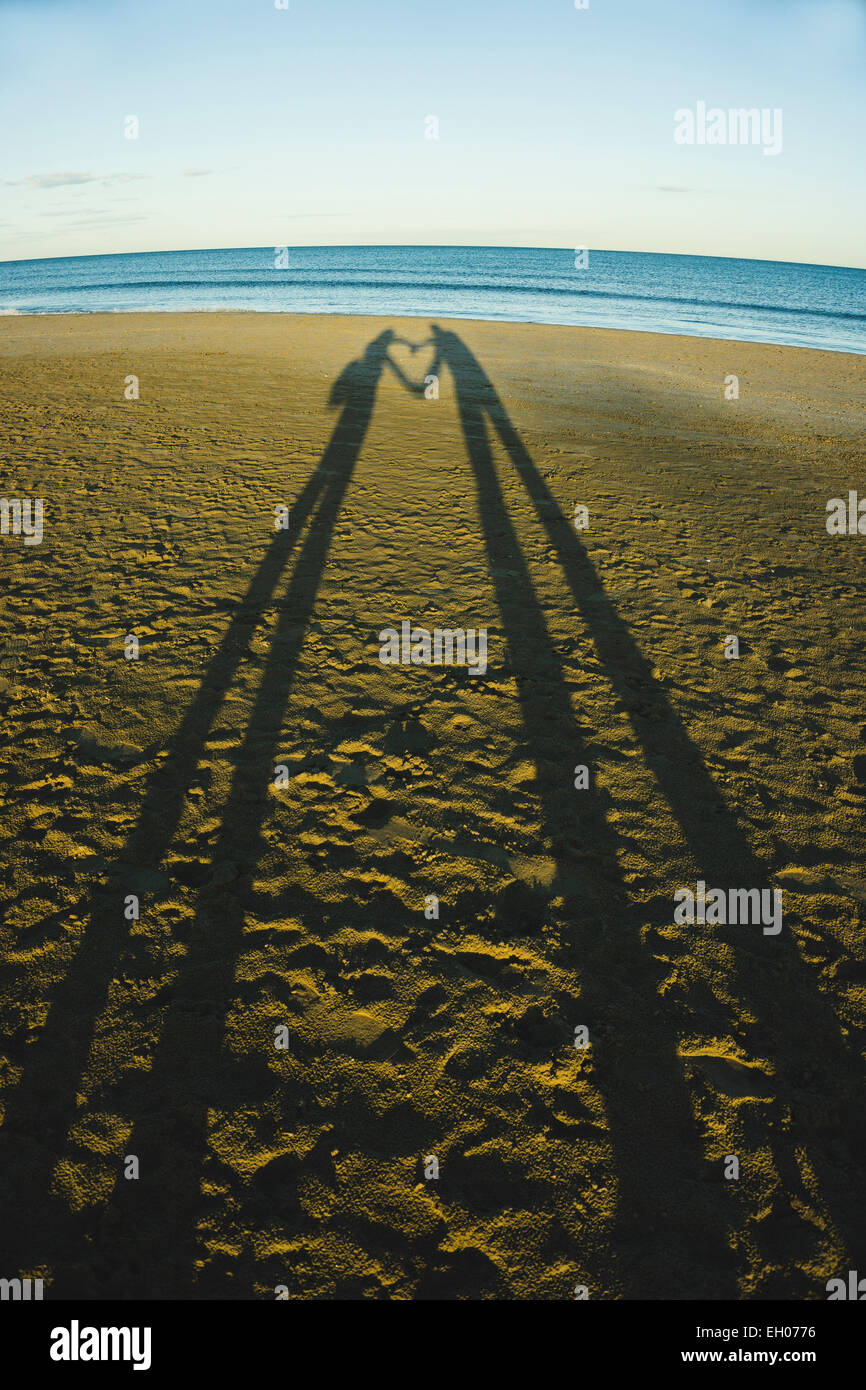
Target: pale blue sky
{"type": "Point", "coordinates": [306, 126]}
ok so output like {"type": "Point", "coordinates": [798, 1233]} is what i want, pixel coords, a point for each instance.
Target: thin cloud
{"type": "Point", "coordinates": [67, 178]}
{"type": "Point", "coordinates": [196, 173]}
{"type": "Point", "coordinates": [73, 210]}
{"type": "Point", "coordinates": [59, 180]}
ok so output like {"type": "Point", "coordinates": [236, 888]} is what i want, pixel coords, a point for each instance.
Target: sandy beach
{"type": "Point", "coordinates": [244, 829]}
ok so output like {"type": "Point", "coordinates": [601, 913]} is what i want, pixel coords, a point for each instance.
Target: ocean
{"type": "Point", "coordinates": [814, 306]}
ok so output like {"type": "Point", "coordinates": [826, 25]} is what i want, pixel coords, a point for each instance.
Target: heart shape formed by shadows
{"type": "Point", "coordinates": [411, 362]}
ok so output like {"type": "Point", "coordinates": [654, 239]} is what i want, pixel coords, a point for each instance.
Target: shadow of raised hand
{"type": "Point", "coordinates": [414, 387]}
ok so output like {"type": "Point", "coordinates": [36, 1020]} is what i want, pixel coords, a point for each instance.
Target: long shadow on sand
{"type": "Point", "coordinates": [670, 1228]}
{"type": "Point", "coordinates": [658, 1166]}
{"type": "Point", "coordinates": [44, 1101]}
{"type": "Point", "coordinates": [793, 1038]}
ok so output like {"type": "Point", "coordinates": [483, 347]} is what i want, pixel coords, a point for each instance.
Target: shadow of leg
{"type": "Point", "coordinates": [668, 1237]}
{"type": "Point", "coordinates": [45, 1099]}
{"type": "Point", "coordinates": [724, 858]}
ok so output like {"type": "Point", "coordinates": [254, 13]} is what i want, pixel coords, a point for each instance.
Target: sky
{"type": "Point", "coordinates": [311, 125]}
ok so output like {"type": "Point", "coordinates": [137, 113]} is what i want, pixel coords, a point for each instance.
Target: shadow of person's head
{"type": "Point", "coordinates": [359, 377]}
{"type": "Point", "coordinates": [380, 344]}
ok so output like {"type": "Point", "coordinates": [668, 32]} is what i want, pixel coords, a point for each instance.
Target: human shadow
{"type": "Point", "coordinates": [667, 1211]}
{"type": "Point", "coordinates": [43, 1103]}
{"type": "Point", "coordinates": [723, 858]}
{"type": "Point", "coordinates": [656, 1165]}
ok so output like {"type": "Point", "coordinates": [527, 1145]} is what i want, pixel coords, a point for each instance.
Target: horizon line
{"type": "Point", "coordinates": [425, 246]}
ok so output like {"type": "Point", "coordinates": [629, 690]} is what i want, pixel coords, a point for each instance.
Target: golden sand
{"type": "Point", "coordinates": [413, 1038]}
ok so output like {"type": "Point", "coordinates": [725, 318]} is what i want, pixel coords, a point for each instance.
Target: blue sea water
{"type": "Point", "coordinates": [758, 301]}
